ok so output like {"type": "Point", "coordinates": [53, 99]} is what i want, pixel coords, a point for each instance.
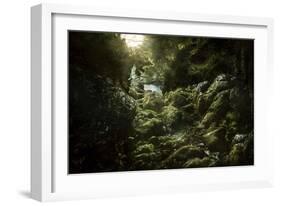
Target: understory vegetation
{"type": "Point", "coordinates": [172, 102]}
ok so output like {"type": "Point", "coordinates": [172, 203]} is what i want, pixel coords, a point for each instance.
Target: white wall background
{"type": "Point", "coordinates": [15, 101]}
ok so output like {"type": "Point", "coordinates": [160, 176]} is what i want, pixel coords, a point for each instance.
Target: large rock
{"type": "Point", "coordinates": [202, 86]}
{"type": "Point", "coordinates": [179, 97]}
{"type": "Point", "coordinates": [216, 141]}
{"type": "Point", "coordinates": [242, 150]}
{"type": "Point", "coordinates": [169, 142]}
{"type": "Point", "coordinates": [144, 157]}
{"type": "Point", "coordinates": [180, 156]}
{"type": "Point", "coordinates": [217, 109]}
{"type": "Point", "coordinates": [236, 154]}
{"type": "Point", "coordinates": [149, 127]}
{"type": "Point", "coordinates": [153, 101]}
{"type": "Point", "coordinates": [204, 100]}
{"type": "Point", "coordinates": [221, 82]}
{"type": "Point", "coordinates": [171, 117]}
{"type": "Point", "coordinates": [200, 162]}
{"type": "Point", "coordinates": [148, 123]}
{"type": "Point", "coordinates": [144, 148]}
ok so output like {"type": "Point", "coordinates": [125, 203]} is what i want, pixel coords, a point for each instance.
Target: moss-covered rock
{"type": "Point", "coordinates": [144, 156]}
{"type": "Point", "coordinates": [180, 156]}
{"type": "Point", "coordinates": [215, 140]}
{"type": "Point", "coordinates": [145, 148]}
{"type": "Point", "coordinates": [200, 162]}
{"type": "Point", "coordinates": [242, 151]}
{"type": "Point", "coordinates": [169, 141]}
{"type": "Point", "coordinates": [204, 100]}
{"type": "Point", "coordinates": [173, 141]}
{"type": "Point", "coordinates": [143, 114]}
{"type": "Point", "coordinates": [150, 127]}
{"type": "Point", "coordinates": [221, 82]}
{"type": "Point", "coordinates": [171, 116]}
{"type": "Point", "coordinates": [239, 138]}
{"type": "Point", "coordinates": [202, 104]}
{"type": "Point", "coordinates": [236, 154]}
{"type": "Point", "coordinates": [189, 108]}
{"type": "Point", "coordinates": [179, 97]}
{"type": "Point", "coordinates": [153, 101]}
{"type": "Point", "coordinates": [202, 86]}
{"type": "Point", "coordinates": [217, 110]}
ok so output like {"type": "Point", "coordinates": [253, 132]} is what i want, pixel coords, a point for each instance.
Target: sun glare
{"type": "Point", "coordinates": [133, 40]}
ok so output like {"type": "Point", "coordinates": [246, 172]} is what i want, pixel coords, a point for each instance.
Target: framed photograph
{"type": "Point", "coordinates": [136, 102]}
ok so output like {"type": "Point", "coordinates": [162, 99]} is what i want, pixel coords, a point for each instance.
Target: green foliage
{"type": "Point", "coordinates": [202, 117]}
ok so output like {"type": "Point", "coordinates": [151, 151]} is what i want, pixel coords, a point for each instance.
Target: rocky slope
{"type": "Point", "coordinates": [199, 126]}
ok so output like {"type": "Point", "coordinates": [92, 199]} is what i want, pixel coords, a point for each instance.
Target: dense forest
{"type": "Point", "coordinates": [169, 102]}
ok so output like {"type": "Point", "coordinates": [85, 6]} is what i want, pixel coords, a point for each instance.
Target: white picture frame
{"type": "Point", "coordinates": [49, 179]}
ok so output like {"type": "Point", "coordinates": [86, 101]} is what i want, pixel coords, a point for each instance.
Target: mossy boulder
{"type": "Point", "coordinates": [202, 86]}
{"type": "Point", "coordinates": [180, 156]}
{"type": "Point", "coordinates": [239, 138]}
{"type": "Point", "coordinates": [144, 156]}
{"type": "Point", "coordinates": [200, 162]}
{"type": "Point", "coordinates": [204, 100]}
{"type": "Point", "coordinates": [148, 123]}
{"type": "Point", "coordinates": [242, 151]}
{"type": "Point", "coordinates": [153, 101]}
{"type": "Point", "coordinates": [189, 108]}
{"type": "Point", "coordinates": [169, 141]}
{"type": "Point", "coordinates": [202, 104]}
{"type": "Point", "coordinates": [144, 114]}
{"type": "Point", "coordinates": [179, 97]}
{"type": "Point", "coordinates": [173, 141]}
{"type": "Point", "coordinates": [217, 110]}
{"type": "Point", "coordinates": [236, 154]}
{"type": "Point", "coordinates": [220, 102]}
{"type": "Point", "coordinates": [145, 148]}
{"type": "Point", "coordinates": [171, 117]}
{"type": "Point", "coordinates": [221, 82]}
{"type": "Point", "coordinates": [215, 140]}
{"type": "Point", "coordinates": [150, 127]}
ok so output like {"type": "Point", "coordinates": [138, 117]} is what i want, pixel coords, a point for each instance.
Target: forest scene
{"type": "Point", "coordinates": [150, 102]}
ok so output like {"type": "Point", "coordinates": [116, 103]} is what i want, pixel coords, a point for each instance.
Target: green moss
{"type": "Point", "coordinates": [150, 127]}
{"type": "Point", "coordinates": [179, 97]}
{"type": "Point", "coordinates": [171, 116]}
{"type": "Point", "coordinates": [180, 156]}
{"type": "Point", "coordinates": [199, 162]}
{"type": "Point", "coordinates": [220, 102]}
{"type": "Point", "coordinates": [236, 154]}
{"type": "Point", "coordinates": [145, 148]}
{"type": "Point", "coordinates": [220, 83]}
{"type": "Point", "coordinates": [215, 140]}
{"type": "Point", "coordinates": [202, 104]}
{"type": "Point", "coordinates": [217, 110]}
{"type": "Point", "coordinates": [153, 101]}
{"type": "Point", "coordinates": [208, 119]}
{"type": "Point", "coordinates": [189, 108]}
